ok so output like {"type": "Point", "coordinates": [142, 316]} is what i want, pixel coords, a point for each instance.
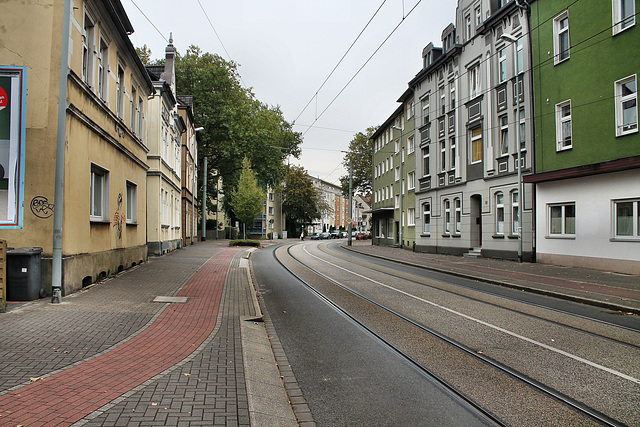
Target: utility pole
{"type": "Point", "coordinates": [350, 203]}
{"type": "Point", "coordinates": [204, 202]}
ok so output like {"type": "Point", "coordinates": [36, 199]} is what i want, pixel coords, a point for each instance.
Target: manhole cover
{"type": "Point", "coordinates": [170, 299]}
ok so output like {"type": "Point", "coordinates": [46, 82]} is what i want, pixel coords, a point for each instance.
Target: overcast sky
{"type": "Point", "coordinates": [287, 48]}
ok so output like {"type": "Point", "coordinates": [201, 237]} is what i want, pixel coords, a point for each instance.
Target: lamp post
{"type": "Point", "coordinates": [204, 194]}
{"type": "Point", "coordinates": [512, 39]}
{"type": "Point", "coordinates": [401, 189]}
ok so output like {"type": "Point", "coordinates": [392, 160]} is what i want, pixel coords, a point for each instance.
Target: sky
{"type": "Point", "coordinates": [286, 49]}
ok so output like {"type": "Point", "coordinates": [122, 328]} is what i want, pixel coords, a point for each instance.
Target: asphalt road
{"type": "Point", "coordinates": [348, 376]}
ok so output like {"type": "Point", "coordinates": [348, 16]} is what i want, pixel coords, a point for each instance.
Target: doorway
{"type": "Point", "coordinates": [475, 214]}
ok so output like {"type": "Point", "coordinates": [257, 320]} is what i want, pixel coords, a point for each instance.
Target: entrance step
{"type": "Point", "coordinates": [474, 253]}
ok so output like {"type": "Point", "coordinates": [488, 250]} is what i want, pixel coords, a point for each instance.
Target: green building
{"type": "Point", "coordinates": [587, 148]}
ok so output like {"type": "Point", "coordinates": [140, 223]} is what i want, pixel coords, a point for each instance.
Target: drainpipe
{"type": "Point", "coordinates": [58, 204]}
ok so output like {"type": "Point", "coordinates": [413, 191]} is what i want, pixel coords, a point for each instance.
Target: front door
{"type": "Point", "coordinates": [476, 221]}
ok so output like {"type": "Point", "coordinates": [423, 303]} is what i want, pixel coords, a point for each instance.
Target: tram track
{"type": "Point", "coordinates": [361, 308]}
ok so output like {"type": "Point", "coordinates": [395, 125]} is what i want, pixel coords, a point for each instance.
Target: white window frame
{"type": "Point", "coordinates": [120, 91]}
{"type": "Point", "coordinates": [452, 152]}
{"type": "Point", "coordinates": [411, 180]}
{"type": "Point", "coordinates": [562, 233]}
{"type": "Point", "coordinates": [515, 220]}
{"type": "Point", "coordinates": [475, 82]}
{"type": "Point", "coordinates": [504, 135]}
{"type": "Point", "coordinates": [502, 64]}
{"type": "Point", "coordinates": [88, 49]}
{"type": "Point", "coordinates": [411, 145]}
{"type": "Point", "coordinates": [426, 157]}
{"type": "Point", "coordinates": [621, 23]}
{"type": "Point", "coordinates": [425, 110]}
{"type": "Point", "coordinates": [472, 140]}
{"type": "Point", "coordinates": [457, 205]}
{"type": "Point", "coordinates": [635, 220]}
{"type": "Point", "coordinates": [519, 57]}
{"type": "Point", "coordinates": [443, 156]}
{"type": "Point", "coordinates": [411, 217]}
{"type": "Point", "coordinates": [478, 17]}
{"type": "Point", "coordinates": [426, 218]}
{"type": "Point", "coordinates": [397, 174]}
{"type": "Point", "coordinates": [103, 70]}
{"type": "Point", "coordinates": [100, 214]}
{"type": "Point", "coordinates": [558, 34]}
{"type": "Point", "coordinates": [132, 203]}
{"type": "Point", "coordinates": [447, 216]}
{"type": "Point", "coordinates": [467, 27]}
{"type": "Point", "coordinates": [397, 201]}
{"type": "Point", "coordinates": [561, 120]}
{"type": "Point", "coordinates": [621, 99]}
{"type": "Point", "coordinates": [499, 197]}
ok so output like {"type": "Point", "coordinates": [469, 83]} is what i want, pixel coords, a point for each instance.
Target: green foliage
{"type": "Point", "coordinates": [144, 53]}
{"type": "Point", "coordinates": [236, 125]}
{"type": "Point", "coordinates": [247, 200]}
{"type": "Point", "coordinates": [245, 242]}
{"type": "Point", "coordinates": [360, 155]}
{"type": "Point", "coordinates": [302, 202]}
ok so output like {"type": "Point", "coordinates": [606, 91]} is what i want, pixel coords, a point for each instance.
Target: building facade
{"type": "Point", "coordinates": [473, 124]}
{"type": "Point", "coordinates": [587, 170]}
{"type": "Point", "coordinates": [105, 137]}
{"type": "Point", "coordinates": [189, 168]}
{"type": "Point", "coordinates": [164, 187]}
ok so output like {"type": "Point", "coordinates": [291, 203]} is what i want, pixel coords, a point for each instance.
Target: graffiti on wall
{"type": "Point", "coordinates": [41, 207]}
{"type": "Point", "coordinates": [118, 218]}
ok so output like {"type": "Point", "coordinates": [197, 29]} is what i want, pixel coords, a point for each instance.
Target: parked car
{"type": "Point", "coordinates": [315, 236]}
{"type": "Point", "coordinates": [335, 234]}
{"type": "Point", "coordinates": [367, 234]}
{"type": "Point", "coordinates": [325, 235]}
{"type": "Point", "coordinates": [344, 234]}
{"type": "Point", "coordinates": [360, 235]}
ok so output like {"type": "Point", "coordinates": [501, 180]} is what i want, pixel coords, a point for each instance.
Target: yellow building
{"type": "Point", "coordinates": [103, 225]}
{"type": "Point", "coordinates": [189, 172]}
{"type": "Point", "coordinates": [164, 190]}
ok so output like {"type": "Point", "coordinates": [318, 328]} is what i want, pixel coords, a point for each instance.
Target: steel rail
{"type": "Point", "coordinates": [548, 391]}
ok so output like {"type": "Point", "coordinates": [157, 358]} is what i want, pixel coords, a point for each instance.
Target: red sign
{"type": "Point", "coordinates": [4, 99]}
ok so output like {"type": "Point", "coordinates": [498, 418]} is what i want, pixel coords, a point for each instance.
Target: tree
{"type": "Point", "coordinates": [144, 53]}
{"type": "Point", "coordinates": [301, 201]}
{"type": "Point", "coordinates": [360, 156]}
{"type": "Point", "coordinates": [247, 200]}
{"type": "Point", "coordinates": [236, 125]}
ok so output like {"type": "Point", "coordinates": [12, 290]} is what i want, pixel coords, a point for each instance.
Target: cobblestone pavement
{"type": "Point", "coordinates": [110, 356]}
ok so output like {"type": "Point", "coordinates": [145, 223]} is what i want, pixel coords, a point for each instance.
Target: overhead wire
{"type": "Point", "coordinates": [149, 20]}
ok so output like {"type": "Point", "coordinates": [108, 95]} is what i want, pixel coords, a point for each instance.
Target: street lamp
{"type": "Point", "coordinates": [510, 38]}
{"type": "Point", "coordinates": [401, 189]}
{"type": "Point", "coordinates": [204, 195]}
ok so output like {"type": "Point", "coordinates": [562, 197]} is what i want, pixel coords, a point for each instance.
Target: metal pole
{"type": "Point", "coordinates": [58, 210]}
{"type": "Point", "coordinates": [349, 238]}
{"type": "Point", "coordinates": [204, 202]}
{"type": "Point", "coordinates": [520, 192]}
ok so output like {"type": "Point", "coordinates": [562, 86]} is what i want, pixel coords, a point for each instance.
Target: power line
{"type": "Point", "coordinates": [339, 62]}
{"type": "Point", "coordinates": [152, 24]}
{"type": "Point", "coordinates": [363, 65]}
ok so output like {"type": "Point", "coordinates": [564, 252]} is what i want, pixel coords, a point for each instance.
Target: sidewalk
{"type": "Point", "coordinates": [614, 291]}
{"type": "Point", "coordinates": [111, 356]}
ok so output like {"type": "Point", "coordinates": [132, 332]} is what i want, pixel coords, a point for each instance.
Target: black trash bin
{"type": "Point", "coordinates": [24, 276]}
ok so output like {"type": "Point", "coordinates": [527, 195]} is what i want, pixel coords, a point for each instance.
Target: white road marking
{"type": "Point", "coordinates": [497, 328]}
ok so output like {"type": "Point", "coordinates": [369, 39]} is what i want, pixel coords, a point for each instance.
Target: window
{"type": "Point", "coordinates": [443, 156]}
{"type": "Point", "coordinates": [103, 70]}
{"type": "Point", "coordinates": [447, 216]}
{"type": "Point", "coordinates": [411, 146]}
{"type": "Point", "coordinates": [499, 213]}
{"type": "Point", "coordinates": [397, 173]}
{"type": "Point", "coordinates": [88, 49]}
{"type": "Point", "coordinates": [624, 15]}
{"type": "Point", "coordinates": [452, 96]}
{"type": "Point", "coordinates": [476, 145]}
{"type": "Point", "coordinates": [409, 109]}
{"type": "Point", "coordinates": [627, 218]}
{"type": "Point", "coordinates": [519, 62]}
{"type": "Point", "coordinates": [563, 126]}
{"type": "Point", "coordinates": [271, 210]}
{"type": "Point", "coordinates": [562, 220]}
{"type": "Point", "coordinates": [522, 121]}
{"type": "Point", "coordinates": [515, 213]}
{"type": "Point", "coordinates": [443, 103]}
{"type": "Point", "coordinates": [452, 149]}
{"type": "Point", "coordinates": [134, 110]}
{"type": "Point", "coordinates": [504, 135]}
{"type": "Point", "coordinates": [478, 17]}
{"type": "Point", "coordinates": [271, 197]}
{"type": "Point", "coordinates": [132, 203]}
{"type": "Point", "coordinates": [397, 201]}
{"type": "Point", "coordinates": [425, 161]}
{"type": "Point", "coordinates": [502, 64]}
{"type": "Point", "coordinates": [397, 146]}
{"type": "Point", "coordinates": [411, 217]}
{"type": "Point", "coordinates": [426, 218]}
{"type": "Point", "coordinates": [467, 27]}
{"type": "Point", "coordinates": [99, 194]}
{"type": "Point", "coordinates": [411, 180]}
{"type": "Point", "coordinates": [425, 110]}
{"type": "Point", "coordinates": [120, 93]}
{"type": "Point", "coordinates": [626, 106]}
{"type": "Point", "coordinates": [458, 214]}
{"type": "Point", "coordinates": [561, 38]}
{"type": "Point", "coordinates": [474, 81]}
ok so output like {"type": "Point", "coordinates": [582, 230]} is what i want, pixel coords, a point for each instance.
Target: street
{"type": "Point", "coordinates": [519, 361]}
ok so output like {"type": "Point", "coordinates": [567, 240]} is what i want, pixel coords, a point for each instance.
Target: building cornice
{"type": "Point", "coordinates": [611, 166]}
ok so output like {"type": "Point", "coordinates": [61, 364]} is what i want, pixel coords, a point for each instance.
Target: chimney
{"type": "Point", "coordinates": [169, 65]}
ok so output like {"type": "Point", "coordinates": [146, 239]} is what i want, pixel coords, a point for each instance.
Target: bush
{"type": "Point", "coordinates": [247, 242]}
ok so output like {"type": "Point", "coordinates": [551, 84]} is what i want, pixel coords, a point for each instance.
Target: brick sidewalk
{"type": "Point", "coordinates": [111, 353]}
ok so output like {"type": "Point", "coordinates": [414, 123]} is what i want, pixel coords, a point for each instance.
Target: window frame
{"type": "Point", "coordinates": [635, 220]}
{"type": "Point", "coordinates": [103, 70]}
{"type": "Point", "coordinates": [475, 140]}
{"type": "Point", "coordinates": [132, 203]}
{"type": "Point", "coordinates": [562, 234]}
{"type": "Point", "coordinates": [426, 218]}
{"type": "Point", "coordinates": [88, 49]}
{"type": "Point", "coordinates": [504, 135]}
{"type": "Point", "coordinates": [457, 206]}
{"type": "Point", "coordinates": [558, 34]}
{"type": "Point", "coordinates": [411, 217]}
{"type": "Point", "coordinates": [502, 64]}
{"type": "Point", "coordinates": [447, 216]}
{"type": "Point", "coordinates": [515, 218]}
{"type": "Point", "coordinates": [120, 91]}
{"type": "Point", "coordinates": [411, 180]}
{"type": "Point", "coordinates": [618, 21]}
{"type": "Point", "coordinates": [426, 157]}
{"type": "Point", "coordinates": [620, 100]}
{"type": "Point", "coordinates": [103, 215]}
{"type": "Point", "coordinates": [500, 214]}
{"type": "Point", "coordinates": [561, 144]}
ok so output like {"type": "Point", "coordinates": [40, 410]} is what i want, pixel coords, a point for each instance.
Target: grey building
{"type": "Point", "coordinates": [472, 128]}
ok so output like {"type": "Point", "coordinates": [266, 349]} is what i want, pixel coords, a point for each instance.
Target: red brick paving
{"type": "Point", "coordinates": [68, 396]}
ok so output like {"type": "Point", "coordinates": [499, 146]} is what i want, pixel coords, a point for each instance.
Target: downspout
{"type": "Point", "coordinates": [58, 205]}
